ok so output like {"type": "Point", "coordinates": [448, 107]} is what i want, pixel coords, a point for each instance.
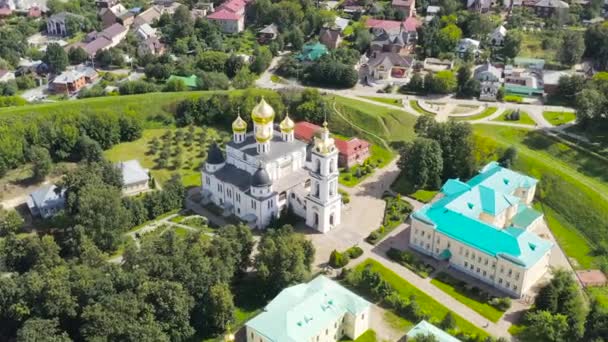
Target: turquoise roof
{"type": "Point", "coordinates": [303, 311]}
{"type": "Point", "coordinates": [453, 186]}
{"type": "Point", "coordinates": [457, 215]}
{"type": "Point", "coordinates": [312, 52]}
{"type": "Point", "coordinates": [525, 217]}
{"type": "Point", "coordinates": [425, 328]}
{"type": "Point", "coordinates": [190, 82]}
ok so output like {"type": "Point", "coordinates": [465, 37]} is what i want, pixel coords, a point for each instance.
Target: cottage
{"type": "Point", "coordinates": [135, 178]}
{"type": "Point", "coordinates": [551, 80]}
{"type": "Point", "coordinates": [46, 201]}
{"type": "Point", "coordinates": [5, 11]}
{"type": "Point", "coordinates": [319, 310]}
{"type": "Point", "coordinates": [393, 36]}
{"type": "Point", "coordinates": [431, 12]}
{"type": "Point", "coordinates": [106, 39]}
{"type": "Point", "coordinates": [468, 46]}
{"type": "Point", "coordinates": [525, 77]}
{"type": "Point", "coordinates": [148, 16]}
{"type": "Point", "coordinates": [549, 8]}
{"type": "Point", "coordinates": [230, 16]}
{"type": "Point", "coordinates": [353, 7]}
{"type": "Point", "coordinates": [268, 33]}
{"type": "Point", "coordinates": [105, 3]}
{"type": "Point", "coordinates": [497, 37]}
{"type": "Point", "coordinates": [390, 66]}
{"type": "Point", "coordinates": [489, 78]}
{"type": "Point", "coordinates": [56, 25]}
{"type": "Point", "coordinates": [150, 45]}
{"type": "Point", "coordinates": [145, 31]}
{"type": "Point", "coordinates": [330, 37]}
{"type": "Point", "coordinates": [406, 7]}
{"type": "Point", "coordinates": [72, 81]}
{"type": "Point", "coordinates": [482, 6]}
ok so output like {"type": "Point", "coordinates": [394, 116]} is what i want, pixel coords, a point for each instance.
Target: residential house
{"type": "Point", "coordinates": [167, 6]}
{"type": "Point", "coordinates": [432, 12]}
{"type": "Point", "coordinates": [390, 66]}
{"type": "Point", "coordinates": [26, 7]}
{"type": "Point", "coordinates": [268, 33]}
{"type": "Point", "coordinates": [106, 39]}
{"type": "Point", "coordinates": [6, 75]}
{"type": "Point", "coordinates": [341, 23]}
{"type": "Point", "coordinates": [148, 16]}
{"type": "Point", "coordinates": [406, 7]}
{"type": "Point", "coordinates": [485, 229]}
{"type": "Point", "coordinates": [135, 178]}
{"type": "Point", "coordinates": [150, 45]}
{"type": "Point", "coordinates": [551, 80]}
{"type": "Point", "coordinates": [312, 52]}
{"type": "Point", "coordinates": [497, 37]}
{"type": "Point", "coordinates": [350, 152]}
{"type": "Point", "coordinates": [330, 37]}
{"type": "Point", "coordinates": [424, 328]}
{"type": "Point", "coordinates": [550, 8]}
{"type": "Point", "coordinates": [46, 201]}
{"type": "Point", "coordinates": [482, 6]}
{"type": "Point", "coordinates": [56, 25]}
{"type": "Point", "coordinates": [230, 16]}
{"type": "Point", "coordinates": [468, 46]}
{"type": "Point", "coordinates": [5, 11]}
{"type": "Point", "coordinates": [321, 310]}
{"type": "Point", "coordinates": [116, 14]}
{"type": "Point", "coordinates": [353, 7]}
{"type": "Point", "coordinates": [393, 36]}
{"type": "Point", "coordinates": [105, 3]}
{"type": "Point", "coordinates": [145, 31]}
{"type": "Point", "coordinates": [72, 81]}
{"type": "Point", "coordinates": [190, 82]}
{"type": "Point", "coordinates": [525, 77]}
{"type": "Point", "coordinates": [26, 67]}
{"type": "Point", "coordinates": [489, 78]}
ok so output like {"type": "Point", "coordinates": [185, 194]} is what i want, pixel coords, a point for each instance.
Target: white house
{"type": "Point", "coordinates": [497, 37]}
{"type": "Point", "coordinates": [46, 201]}
{"type": "Point", "coordinates": [266, 171]}
{"type": "Point", "coordinates": [467, 45]}
{"type": "Point", "coordinates": [145, 31]}
{"type": "Point", "coordinates": [319, 311]}
{"type": "Point", "coordinates": [390, 66]}
{"type": "Point", "coordinates": [230, 16]}
{"type": "Point", "coordinates": [135, 179]}
{"type": "Point", "coordinates": [485, 228]}
{"type": "Point", "coordinates": [489, 78]}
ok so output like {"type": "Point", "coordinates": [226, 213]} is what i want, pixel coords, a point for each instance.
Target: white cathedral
{"type": "Point", "coordinates": [267, 171]}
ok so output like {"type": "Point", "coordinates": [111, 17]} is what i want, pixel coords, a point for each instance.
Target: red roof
{"type": "Point", "coordinates": [5, 11]}
{"type": "Point", "coordinates": [305, 131]}
{"type": "Point", "coordinates": [223, 14]}
{"type": "Point", "coordinates": [410, 24]}
{"type": "Point", "coordinates": [34, 12]}
{"type": "Point", "coordinates": [233, 5]}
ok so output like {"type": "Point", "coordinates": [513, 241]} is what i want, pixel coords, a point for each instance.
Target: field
{"type": "Point", "coordinates": [191, 156]}
{"type": "Point", "coordinates": [430, 306]}
{"type": "Point", "coordinates": [386, 100]}
{"type": "Point", "coordinates": [381, 124]}
{"type": "Point", "coordinates": [368, 336]}
{"type": "Point", "coordinates": [559, 118]}
{"type": "Point", "coordinates": [573, 183]}
{"type": "Point", "coordinates": [532, 46]}
{"type": "Point", "coordinates": [403, 186]}
{"type": "Point", "coordinates": [524, 118]}
{"type": "Point", "coordinates": [487, 112]}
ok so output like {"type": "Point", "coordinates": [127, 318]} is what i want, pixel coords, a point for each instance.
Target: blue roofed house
{"type": "Point", "coordinates": [321, 310]}
{"type": "Point", "coordinates": [46, 201]}
{"type": "Point", "coordinates": [424, 328]}
{"type": "Point", "coordinates": [135, 178]}
{"type": "Point", "coordinates": [485, 228]}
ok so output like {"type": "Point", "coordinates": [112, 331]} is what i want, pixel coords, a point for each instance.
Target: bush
{"type": "Point", "coordinates": [373, 237]}
{"type": "Point", "coordinates": [513, 98]}
{"type": "Point", "coordinates": [354, 252]}
{"type": "Point", "coordinates": [502, 304]}
{"type": "Point", "coordinates": [338, 260]}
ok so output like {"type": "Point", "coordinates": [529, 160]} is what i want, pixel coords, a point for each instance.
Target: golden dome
{"type": "Point", "coordinates": [324, 144]}
{"type": "Point", "coordinates": [239, 125]}
{"type": "Point", "coordinates": [287, 125]}
{"type": "Point", "coordinates": [262, 113]}
{"type": "Point", "coordinates": [261, 136]}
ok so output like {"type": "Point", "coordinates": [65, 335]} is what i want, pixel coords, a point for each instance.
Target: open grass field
{"type": "Point", "coordinates": [573, 183]}
{"type": "Point", "coordinates": [559, 118]}
{"type": "Point", "coordinates": [414, 104]}
{"type": "Point", "coordinates": [532, 46]}
{"type": "Point", "coordinates": [524, 118]}
{"type": "Point", "coordinates": [600, 294]}
{"type": "Point", "coordinates": [487, 112]}
{"type": "Point", "coordinates": [434, 309]}
{"type": "Point", "coordinates": [392, 102]}
{"type": "Point", "coordinates": [484, 309]}
{"type": "Point", "coordinates": [192, 156]}
{"type": "Point", "coordinates": [385, 123]}
{"type": "Point", "coordinates": [403, 186]}
{"type": "Point", "coordinates": [377, 154]}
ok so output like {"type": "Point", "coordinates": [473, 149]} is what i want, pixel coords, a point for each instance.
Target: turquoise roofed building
{"type": "Point", "coordinates": [321, 310]}
{"type": "Point", "coordinates": [312, 52]}
{"type": "Point", "coordinates": [486, 228]}
{"type": "Point", "coordinates": [424, 328]}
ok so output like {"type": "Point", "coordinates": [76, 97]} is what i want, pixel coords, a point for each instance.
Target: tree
{"type": "Point", "coordinates": [241, 243]}
{"type": "Point", "coordinates": [41, 162]}
{"type": "Point", "coordinates": [174, 85]}
{"type": "Point", "coordinates": [542, 326]}
{"type": "Point", "coordinates": [56, 58]}
{"type": "Point", "coordinates": [243, 79]}
{"type": "Point", "coordinates": [212, 61]}
{"type": "Point", "coordinates": [512, 44]}
{"type": "Point", "coordinates": [463, 76]}
{"type": "Point", "coordinates": [362, 38]}
{"type": "Point", "coordinates": [77, 55]}
{"type": "Point", "coordinates": [596, 44]}
{"type": "Point", "coordinates": [422, 163]}
{"type": "Point", "coordinates": [284, 258]}
{"type": "Point", "coordinates": [448, 321]}
{"type": "Point", "coordinates": [416, 83]}
{"type": "Point", "coordinates": [444, 82]}
{"type": "Point", "coordinates": [213, 81]}
{"type": "Point", "coordinates": [220, 309]}
{"type": "Point", "coordinates": [233, 65]}
{"type": "Point", "coordinates": [508, 157]}
{"type": "Point", "coordinates": [89, 150]}
{"type": "Point", "coordinates": [572, 48]}
{"type": "Point", "coordinates": [158, 71]}
{"type": "Point", "coordinates": [569, 86]}
{"type": "Point", "coordinates": [448, 37]}
{"type": "Point", "coordinates": [424, 338]}
{"type": "Point", "coordinates": [38, 329]}
{"type": "Point", "coordinates": [261, 59]}
{"type": "Point", "coordinates": [10, 222]}
{"type": "Point", "coordinates": [597, 322]}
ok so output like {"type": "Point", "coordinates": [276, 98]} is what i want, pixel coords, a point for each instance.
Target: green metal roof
{"type": "Point", "coordinates": [190, 82]}
{"type": "Point", "coordinates": [425, 328]}
{"type": "Point", "coordinates": [312, 52]}
{"type": "Point", "coordinates": [517, 89]}
{"type": "Point", "coordinates": [457, 215]}
{"type": "Point", "coordinates": [303, 311]}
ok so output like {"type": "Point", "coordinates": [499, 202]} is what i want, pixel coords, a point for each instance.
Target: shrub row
{"type": "Point", "coordinates": [409, 260]}
{"type": "Point", "coordinates": [339, 260]}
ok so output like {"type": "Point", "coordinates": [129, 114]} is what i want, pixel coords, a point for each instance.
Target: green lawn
{"type": "Point", "coordinates": [524, 118]}
{"type": "Point", "coordinates": [487, 112]}
{"type": "Point", "coordinates": [559, 118]}
{"type": "Point", "coordinates": [482, 308]}
{"type": "Point", "coordinates": [386, 100]}
{"type": "Point", "coordinates": [600, 294]}
{"type": "Point", "coordinates": [385, 124]}
{"type": "Point", "coordinates": [368, 336]}
{"type": "Point", "coordinates": [404, 187]}
{"type": "Point", "coordinates": [573, 183]}
{"type": "Point", "coordinates": [378, 155]}
{"type": "Point", "coordinates": [429, 305]}
{"type": "Point", "coordinates": [191, 156]}
{"type": "Point", "coordinates": [531, 46]}
{"type": "Point", "coordinates": [414, 104]}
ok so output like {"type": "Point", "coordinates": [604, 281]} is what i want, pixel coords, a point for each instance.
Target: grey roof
{"type": "Point", "coordinates": [233, 175]}
{"type": "Point", "coordinates": [113, 31]}
{"type": "Point", "coordinates": [398, 37]}
{"type": "Point", "coordinates": [98, 44]}
{"type": "Point", "coordinates": [394, 58]}
{"type": "Point", "coordinates": [552, 3]}
{"type": "Point", "coordinates": [342, 23]}
{"type": "Point", "coordinates": [61, 16]}
{"type": "Point", "coordinates": [132, 172]}
{"type": "Point", "coordinates": [47, 195]}
{"type": "Point", "coordinates": [488, 67]}
{"type": "Point", "coordinates": [329, 33]}
{"type": "Point", "coordinates": [215, 155]}
{"type": "Point", "coordinates": [278, 147]}
{"type": "Point", "coordinates": [271, 29]}
{"type": "Point", "coordinates": [260, 178]}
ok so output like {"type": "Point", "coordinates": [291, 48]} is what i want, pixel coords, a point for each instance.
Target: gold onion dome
{"type": "Point", "coordinates": [287, 125]}
{"type": "Point", "coordinates": [262, 113]}
{"type": "Point", "coordinates": [324, 144]}
{"type": "Point", "coordinates": [239, 125]}
{"type": "Point", "coordinates": [261, 136]}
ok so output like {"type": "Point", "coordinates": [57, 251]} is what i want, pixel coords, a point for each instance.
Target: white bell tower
{"type": "Point", "coordinates": [324, 203]}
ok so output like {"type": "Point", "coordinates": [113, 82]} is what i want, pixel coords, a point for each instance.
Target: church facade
{"type": "Point", "coordinates": [267, 170]}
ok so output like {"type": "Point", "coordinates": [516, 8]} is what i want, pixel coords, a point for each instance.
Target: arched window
{"type": "Point", "coordinates": [317, 190]}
